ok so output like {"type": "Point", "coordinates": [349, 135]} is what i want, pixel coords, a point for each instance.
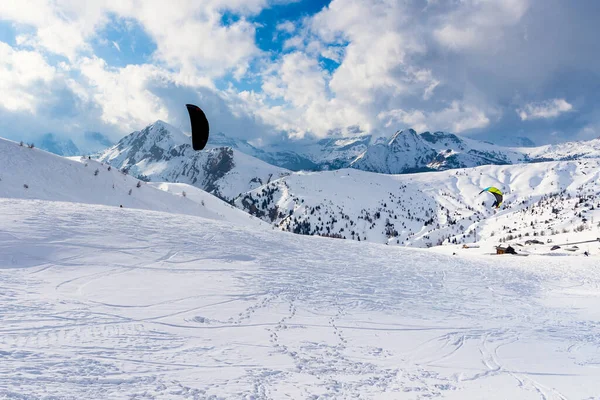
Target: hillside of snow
{"type": "Point", "coordinates": [428, 209]}
{"type": "Point", "coordinates": [31, 173]}
{"type": "Point", "coordinates": [101, 302]}
{"type": "Point", "coordinates": [226, 211]}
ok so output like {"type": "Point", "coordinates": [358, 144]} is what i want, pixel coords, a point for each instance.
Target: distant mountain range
{"type": "Point", "coordinates": [319, 155]}
{"type": "Point", "coordinates": [406, 151]}
{"type": "Point", "coordinates": [161, 152]}
{"type": "Point", "coordinates": [88, 143]}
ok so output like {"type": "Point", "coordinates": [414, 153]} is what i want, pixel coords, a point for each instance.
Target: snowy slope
{"type": "Point", "coordinates": [428, 209]}
{"type": "Point", "coordinates": [106, 303]}
{"type": "Point", "coordinates": [226, 211]}
{"type": "Point", "coordinates": [51, 177]}
{"type": "Point", "coordinates": [161, 152]}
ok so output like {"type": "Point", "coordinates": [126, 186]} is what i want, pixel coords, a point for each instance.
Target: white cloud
{"type": "Point", "coordinates": [334, 53]}
{"type": "Point", "coordinates": [287, 27]}
{"type": "Point", "coordinates": [298, 79]}
{"type": "Point", "coordinates": [378, 51]}
{"type": "Point", "coordinates": [414, 119]}
{"type": "Point", "coordinates": [546, 109]}
{"type": "Point", "coordinates": [189, 34]}
{"type": "Point", "coordinates": [192, 39]}
{"type": "Point", "coordinates": [309, 104]}
{"type": "Point", "coordinates": [457, 37]}
{"type": "Point", "coordinates": [374, 54]}
{"type": "Point", "coordinates": [441, 65]}
{"type": "Point", "coordinates": [61, 27]}
{"type": "Point", "coordinates": [25, 78]}
{"type": "Point", "coordinates": [193, 48]}
{"type": "Point", "coordinates": [464, 117]}
{"type": "Point", "coordinates": [123, 94]}
{"type": "Point", "coordinates": [479, 23]}
{"type": "Point", "coordinates": [457, 118]}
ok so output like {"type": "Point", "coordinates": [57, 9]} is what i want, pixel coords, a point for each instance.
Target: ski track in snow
{"type": "Point", "coordinates": [98, 302]}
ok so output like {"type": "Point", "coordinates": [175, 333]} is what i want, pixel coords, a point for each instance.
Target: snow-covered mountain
{"type": "Point", "coordinates": [567, 151]}
{"type": "Point", "coordinates": [63, 147]}
{"type": "Point", "coordinates": [303, 155]}
{"type": "Point", "coordinates": [428, 209]}
{"type": "Point", "coordinates": [321, 155]}
{"type": "Point", "coordinates": [407, 151]}
{"type": "Point", "coordinates": [92, 142]}
{"type": "Point", "coordinates": [517, 141]}
{"type": "Point", "coordinates": [162, 153]}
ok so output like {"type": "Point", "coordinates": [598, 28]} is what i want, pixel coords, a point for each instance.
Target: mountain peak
{"type": "Point", "coordinates": [161, 131]}
{"type": "Point", "coordinates": [404, 137]}
{"type": "Point", "coordinates": [404, 132]}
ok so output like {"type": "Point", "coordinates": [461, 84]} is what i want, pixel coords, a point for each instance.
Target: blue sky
{"type": "Point", "coordinates": [265, 70]}
{"type": "Point", "coordinates": [122, 42]}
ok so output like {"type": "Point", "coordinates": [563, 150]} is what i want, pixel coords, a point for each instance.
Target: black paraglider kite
{"type": "Point", "coordinates": [199, 126]}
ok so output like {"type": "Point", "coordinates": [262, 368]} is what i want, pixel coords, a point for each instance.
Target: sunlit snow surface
{"type": "Point", "coordinates": [99, 302]}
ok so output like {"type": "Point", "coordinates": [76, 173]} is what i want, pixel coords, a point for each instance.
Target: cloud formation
{"type": "Point", "coordinates": [546, 109]}
{"type": "Point", "coordinates": [346, 67]}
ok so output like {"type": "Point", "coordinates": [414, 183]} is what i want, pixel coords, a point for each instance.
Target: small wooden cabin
{"type": "Point", "coordinates": [505, 250]}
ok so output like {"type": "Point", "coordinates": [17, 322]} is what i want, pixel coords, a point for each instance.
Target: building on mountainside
{"type": "Point", "coordinates": [505, 250]}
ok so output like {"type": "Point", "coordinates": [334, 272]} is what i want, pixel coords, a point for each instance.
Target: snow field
{"type": "Point", "coordinates": [102, 302]}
